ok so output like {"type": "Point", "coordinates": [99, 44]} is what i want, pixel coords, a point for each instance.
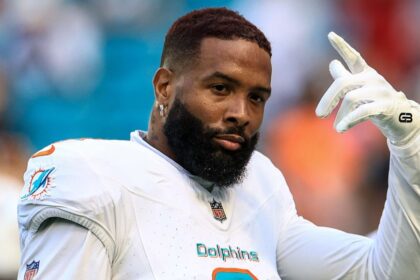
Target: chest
{"type": "Point", "coordinates": [181, 239]}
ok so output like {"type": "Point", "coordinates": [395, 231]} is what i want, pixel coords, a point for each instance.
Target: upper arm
{"type": "Point", "coordinates": [306, 251]}
{"type": "Point", "coordinates": [65, 250]}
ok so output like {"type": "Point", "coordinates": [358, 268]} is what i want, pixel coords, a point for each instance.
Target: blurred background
{"type": "Point", "coordinates": [72, 69]}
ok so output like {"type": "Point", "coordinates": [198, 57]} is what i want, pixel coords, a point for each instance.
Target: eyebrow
{"type": "Point", "coordinates": [220, 75]}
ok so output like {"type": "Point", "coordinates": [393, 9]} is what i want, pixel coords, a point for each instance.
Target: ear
{"type": "Point", "coordinates": [162, 83]}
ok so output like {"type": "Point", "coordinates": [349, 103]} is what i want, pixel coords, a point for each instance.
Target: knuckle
{"type": "Point", "coordinates": [351, 98]}
{"type": "Point", "coordinates": [340, 83]}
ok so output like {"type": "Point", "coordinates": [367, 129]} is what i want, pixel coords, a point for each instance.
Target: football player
{"type": "Point", "coordinates": [191, 199]}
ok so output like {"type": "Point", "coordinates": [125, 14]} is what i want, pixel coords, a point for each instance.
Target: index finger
{"type": "Point", "coordinates": [353, 59]}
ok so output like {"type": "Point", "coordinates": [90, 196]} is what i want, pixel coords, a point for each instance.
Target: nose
{"type": "Point", "coordinates": [237, 113]}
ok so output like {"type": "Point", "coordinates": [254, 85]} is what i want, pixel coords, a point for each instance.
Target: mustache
{"type": "Point", "coordinates": [231, 130]}
{"type": "Point", "coordinates": [238, 130]}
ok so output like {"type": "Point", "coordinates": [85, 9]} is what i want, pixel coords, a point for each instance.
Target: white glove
{"type": "Point", "coordinates": [367, 95]}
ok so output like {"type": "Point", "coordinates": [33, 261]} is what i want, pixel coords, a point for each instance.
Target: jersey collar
{"type": "Point", "coordinates": [138, 136]}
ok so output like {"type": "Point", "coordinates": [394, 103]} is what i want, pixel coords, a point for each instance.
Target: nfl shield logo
{"type": "Point", "coordinates": [31, 270]}
{"type": "Point", "coordinates": [218, 211]}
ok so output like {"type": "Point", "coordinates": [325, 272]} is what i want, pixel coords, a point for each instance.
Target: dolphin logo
{"type": "Point", "coordinates": [40, 181]}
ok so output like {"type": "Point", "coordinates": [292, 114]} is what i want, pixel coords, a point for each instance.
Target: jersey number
{"type": "Point", "coordinates": [222, 273]}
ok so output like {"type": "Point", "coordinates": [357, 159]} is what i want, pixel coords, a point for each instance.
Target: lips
{"type": "Point", "coordinates": [231, 142]}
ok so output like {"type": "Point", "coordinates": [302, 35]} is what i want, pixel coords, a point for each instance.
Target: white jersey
{"type": "Point", "coordinates": [100, 209]}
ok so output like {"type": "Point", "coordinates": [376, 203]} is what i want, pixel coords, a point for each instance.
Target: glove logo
{"type": "Point", "coordinates": [405, 118]}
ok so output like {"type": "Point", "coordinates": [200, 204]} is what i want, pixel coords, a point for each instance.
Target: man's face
{"type": "Point", "coordinates": [217, 109]}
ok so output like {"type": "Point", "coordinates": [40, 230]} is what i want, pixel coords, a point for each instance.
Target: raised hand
{"type": "Point", "coordinates": [367, 95]}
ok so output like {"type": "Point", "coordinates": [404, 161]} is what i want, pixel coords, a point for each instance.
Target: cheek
{"type": "Point", "coordinates": [206, 109]}
{"type": "Point", "coordinates": [200, 102]}
{"type": "Point", "coordinates": [256, 121]}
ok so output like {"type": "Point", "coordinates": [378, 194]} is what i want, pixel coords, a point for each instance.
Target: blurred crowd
{"type": "Point", "coordinates": [83, 68]}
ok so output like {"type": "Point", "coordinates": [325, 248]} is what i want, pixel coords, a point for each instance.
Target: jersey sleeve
{"type": "Point", "coordinates": [306, 251]}
{"type": "Point", "coordinates": [62, 182]}
{"type": "Point", "coordinates": [73, 244]}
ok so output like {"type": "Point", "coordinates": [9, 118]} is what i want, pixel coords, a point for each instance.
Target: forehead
{"type": "Point", "coordinates": [238, 58]}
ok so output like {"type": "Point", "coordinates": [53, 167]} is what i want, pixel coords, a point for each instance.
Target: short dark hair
{"type": "Point", "coordinates": [183, 40]}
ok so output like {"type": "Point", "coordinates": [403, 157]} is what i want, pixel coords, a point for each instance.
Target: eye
{"type": "Point", "coordinates": [220, 88]}
{"type": "Point", "coordinates": [257, 98]}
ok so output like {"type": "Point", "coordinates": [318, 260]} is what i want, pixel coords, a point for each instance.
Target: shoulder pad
{"type": "Point", "coordinates": [61, 182]}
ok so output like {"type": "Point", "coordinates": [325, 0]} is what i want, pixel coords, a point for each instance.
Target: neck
{"type": "Point", "coordinates": [157, 138]}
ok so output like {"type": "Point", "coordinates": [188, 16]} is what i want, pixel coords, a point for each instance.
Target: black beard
{"type": "Point", "coordinates": [195, 150]}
